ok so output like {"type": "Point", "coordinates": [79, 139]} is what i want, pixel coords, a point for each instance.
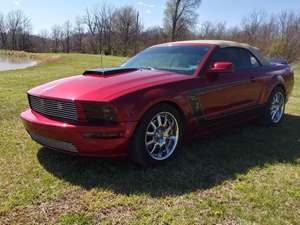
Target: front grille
{"type": "Point", "coordinates": [53, 108]}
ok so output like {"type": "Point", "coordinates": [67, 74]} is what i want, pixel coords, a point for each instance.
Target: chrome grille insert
{"type": "Point", "coordinates": [54, 108]}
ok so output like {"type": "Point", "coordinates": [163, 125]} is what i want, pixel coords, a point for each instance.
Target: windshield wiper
{"type": "Point", "coordinates": [141, 68]}
{"type": "Point", "coordinates": [147, 68]}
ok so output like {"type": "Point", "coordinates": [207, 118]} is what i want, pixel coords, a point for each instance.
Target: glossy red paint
{"type": "Point", "coordinates": [104, 88]}
{"type": "Point", "coordinates": [221, 67]}
{"type": "Point", "coordinates": [204, 99]}
{"type": "Point", "coordinates": [73, 133]}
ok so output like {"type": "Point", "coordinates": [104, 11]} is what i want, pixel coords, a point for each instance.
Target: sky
{"type": "Point", "coordinates": [46, 13]}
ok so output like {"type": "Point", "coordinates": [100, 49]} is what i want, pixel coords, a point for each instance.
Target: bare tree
{"type": "Point", "coordinates": [153, 36]}
{"type": "Point", "coordinates": [119, 31]}
{"type": "Point", "coordinates": [100, 23]}
{"type": "Point", "coordinates": [55, 36]}
{"type": "Point", "coordinates": [107, 14]}
{"type": "Point", "coordinates": [100, 17]}
{"type": "Point", "coordinates": [25, 35]}
{"type": "Point", "coordinates": [252, 25]}
{"type": "Point", "coordinates": [209, 30]}
{"type": "Point", "coordinates": [79, 33]}
{"type": "Point", "coordinates": [90, 22]}
{"type": "Point", "coordinates": [287, 44]}
{"type": "Point", "coordinates": [17, 23]}
{"type": "Point", "coordinates": [66, 36]}
{"type": "Point", "coordinates": [267, 33]}
{"type": "Point", "coordinates": [180, 16]}
{"type": "Point", "coordinates": [138, 30]}
{"type": "Point", "coordinates": [3, 32]}
{"type": "Point", "coordinates": [125, 27]}
{"type": "Point", "coordinates": [206, 29]}
{"type": "Point", "coordinates": [44, 44]}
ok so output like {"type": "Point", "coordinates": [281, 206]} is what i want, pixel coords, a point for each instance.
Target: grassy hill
{"type": "Point", "coordinates": [245, 175]}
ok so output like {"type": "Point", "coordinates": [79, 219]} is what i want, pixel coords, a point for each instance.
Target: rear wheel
{"type": "Point", "coordinates": [157, 137]}
{"type": "Point", "coordinates": [274, 110]}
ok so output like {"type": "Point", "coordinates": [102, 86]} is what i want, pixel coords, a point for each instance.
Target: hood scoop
{"type": "Point", "coordinates": [109, 71]}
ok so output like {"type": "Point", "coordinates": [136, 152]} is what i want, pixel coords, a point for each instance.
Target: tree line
{"type": "Point", "coordinates": [114, 30]}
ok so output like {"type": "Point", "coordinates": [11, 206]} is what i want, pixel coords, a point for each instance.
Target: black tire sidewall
{"type": "Point", "coordinates": [267, 110]}
{"type": "Point", "coordinates": [137, 151]}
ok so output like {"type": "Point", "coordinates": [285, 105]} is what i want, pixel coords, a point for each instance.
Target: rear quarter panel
{"type": "Point", "coordinates": [275, 75]}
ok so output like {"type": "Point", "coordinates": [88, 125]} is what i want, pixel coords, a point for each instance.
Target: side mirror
{"type": "Point", "coordinates": [221, 67]}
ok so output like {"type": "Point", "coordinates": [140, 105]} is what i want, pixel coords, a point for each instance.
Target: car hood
{"type": "Point", "coordinates": [94, 87]}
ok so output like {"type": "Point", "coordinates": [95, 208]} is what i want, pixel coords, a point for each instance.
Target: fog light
{"type": "Point", "coordinates": [102, 135]}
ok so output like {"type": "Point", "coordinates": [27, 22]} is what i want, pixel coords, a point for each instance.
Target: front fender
{"type": "Point", "coordinates": [135, 105]}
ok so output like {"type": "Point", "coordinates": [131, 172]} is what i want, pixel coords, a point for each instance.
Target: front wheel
{"type": "Point", "coordinates": [157, 137]}
{"type": "Point", "coordinates": [274, 110]}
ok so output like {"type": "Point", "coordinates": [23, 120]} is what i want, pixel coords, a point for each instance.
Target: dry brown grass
{"type": "Point", "coordinates": [40, 58]}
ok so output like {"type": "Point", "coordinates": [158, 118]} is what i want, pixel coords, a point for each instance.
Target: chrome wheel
{"type": "Point", "coordinates": [162, 135]}
{"type": "Point", "coordinates": [277, 107]}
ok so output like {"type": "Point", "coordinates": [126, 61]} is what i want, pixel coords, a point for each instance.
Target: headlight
{"type": "Point", "coordinates": [99, 112]}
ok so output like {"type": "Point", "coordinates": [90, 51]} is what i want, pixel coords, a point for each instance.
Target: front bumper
{"type": "Point", "coordinates": [73, 139]}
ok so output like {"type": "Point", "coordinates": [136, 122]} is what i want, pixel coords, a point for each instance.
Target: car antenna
{"type": "Point", "coordinates": [101, 58]}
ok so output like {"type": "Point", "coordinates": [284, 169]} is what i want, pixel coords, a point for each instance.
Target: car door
{"type": "Point", "coordinates": [227, 93]}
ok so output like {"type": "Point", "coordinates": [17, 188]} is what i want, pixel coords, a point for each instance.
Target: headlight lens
{"type": "Point", "coordinates": [99, 112]}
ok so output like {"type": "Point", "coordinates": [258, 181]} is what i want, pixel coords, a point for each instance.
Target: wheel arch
{"type": "Point", "coordinates": [276, 82]}
{"type": "Point", "coordinates": [175, 106]}
{"type": "Point", "coordinates": [282, 87]}
{"type": "Point", "coordinates": [166, 102]}
{"type": "Point", "coordinates": [278, 85]}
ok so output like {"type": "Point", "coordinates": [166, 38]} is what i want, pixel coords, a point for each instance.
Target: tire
{"type": "Point", "coordinates": [156, 140]}
{"type": "Point", "coordinates": [276, 101]}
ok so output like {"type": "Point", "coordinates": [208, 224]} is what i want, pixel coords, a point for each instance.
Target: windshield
{"type": "Point", "coordinates": [179, 59]}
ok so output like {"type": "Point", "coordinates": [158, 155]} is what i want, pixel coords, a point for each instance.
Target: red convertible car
{"type": "Point", "coordinates": [164, 95]}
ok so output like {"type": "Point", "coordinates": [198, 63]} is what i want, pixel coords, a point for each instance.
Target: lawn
{"type": "Point", "coordinates": [246, 175]}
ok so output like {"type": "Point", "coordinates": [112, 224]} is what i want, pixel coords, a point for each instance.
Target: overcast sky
{"type": "Point", "coordinates": [46, 13]}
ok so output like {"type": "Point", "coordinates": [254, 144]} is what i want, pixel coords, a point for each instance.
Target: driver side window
{"type": "Point", "coordinates": [241, 58]}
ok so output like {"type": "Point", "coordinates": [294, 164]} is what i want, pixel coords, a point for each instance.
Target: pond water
{"type": "Point", "coordinates": [15, 63]}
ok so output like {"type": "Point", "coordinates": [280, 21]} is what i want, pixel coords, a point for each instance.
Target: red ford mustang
{"type": "Point", "coordinates": [162, 96]}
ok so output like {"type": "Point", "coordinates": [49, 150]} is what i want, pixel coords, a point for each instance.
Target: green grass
{"type": "Point", "coordinates": [246, 175]}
